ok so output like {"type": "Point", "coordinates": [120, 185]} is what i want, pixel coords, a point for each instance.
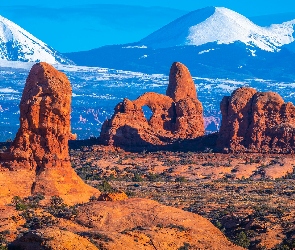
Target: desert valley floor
{"type": "Point", "coordinates": [249, 197]}
{"type": "Point", "coordinates": [239, 193]}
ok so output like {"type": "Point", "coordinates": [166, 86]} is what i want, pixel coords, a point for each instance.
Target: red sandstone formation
{"type": "Point", "coordinates": [177, 115]}
{"type": "Point", "coordinates": [256, 122]}
{"type": "Point", "coordinates": [44, 120]}
{"type": "Point", "coordinates": [118, 196]}
{"type": "Point", "coordinates": [38, 159]}
{"type": "Point", "coordinates": [181, 84]}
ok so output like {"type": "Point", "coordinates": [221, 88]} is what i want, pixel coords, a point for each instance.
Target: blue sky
{"type": "Point", "coordinates": [69, 25]}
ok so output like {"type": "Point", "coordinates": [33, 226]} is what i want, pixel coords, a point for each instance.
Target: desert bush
{"type": "Point", "coordinates": [242, 240]}
{"type": "Point", "coordinates": [34, 221]}
{"type": "Point", "coordinates": [33, 201]}
{"type": "Point", "coordinates": [26, 203]}
{"type": "Point", "coordinates": [3, 242]}
{"type": "Point", "coordinates": [208, 164]}
{"type": "Point", "coordinates": [288, 244]}
{"type": "Point", "coordinates": [177, 227]}
{"type": "Point", "coordinates": [186, 246]}
{"type": "Point", "coordinates": [218, 224]}
{"type": "Point", "coordinates": [137, 177]}
{"type": "Point", "coordinates": [180, 179]}
{"type": "Point", "coordinates": [106, 187]}
{"type": "Point", "coordinates": [61, 210]}
{"type": "Point", "coordinates": [19, 203]}
{"type": "Point", "coordinates": [153, 177]}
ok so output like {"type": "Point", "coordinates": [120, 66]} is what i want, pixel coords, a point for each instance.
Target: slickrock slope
{"type": "Point", "coordinates": [38, 159]}
{"type": "Point", "coordinates": [145, 224]}
{"type": "Point", "coordinates": [256, 122]}
{"type": "Point", "coordinates": [129, 224]}
{"type": "Point", "coordinates": [52, 239]}
{"type": "Point", "coordinates": [176, 115]}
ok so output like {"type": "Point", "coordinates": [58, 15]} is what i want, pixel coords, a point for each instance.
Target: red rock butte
{"type": "Point", "coordinates": [38, 160]}
{"type": "Point", "coordinates": [175, 116]}
{"type": "Point", "coordinates": [256, 122]}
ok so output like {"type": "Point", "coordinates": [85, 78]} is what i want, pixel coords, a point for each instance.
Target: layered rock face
{"type": "Point", "coordinates": [45, 107]}
{"type": "Point", "coordinates": [38, 159]}
{"type": "Point", "coordinates": [176, 115]}
{"type": "Point", "coordinates": [256, 122]}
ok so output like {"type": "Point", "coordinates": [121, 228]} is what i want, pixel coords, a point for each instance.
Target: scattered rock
{"type": "Point", "coordinates": [119, 196]}
{"type": "Point", "coordinates": [38, 160]}
{"type": "Point", "coordinates": [256, 122]}
{"type": "Point", "coordinates": [176, 116]}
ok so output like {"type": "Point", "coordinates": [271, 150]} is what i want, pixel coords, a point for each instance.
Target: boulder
{"type": "Point", "coordinates": [118, 196]}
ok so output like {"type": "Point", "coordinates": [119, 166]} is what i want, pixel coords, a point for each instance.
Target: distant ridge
{"type": "Point", "coordinates": [220, 25]}
{"type": "Point", "coordinates": [16, 44]}
{"type": "Point", "coordinates": [267, 20]}
{"type": "Point", "coordinates": [212, 42]}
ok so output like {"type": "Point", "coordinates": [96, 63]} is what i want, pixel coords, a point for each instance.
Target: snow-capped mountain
{"type": "Point", "coordinates": [16, 44]}
{"type": "Point", "coordinates": [212, 42]}
{"type": "Point", "coordinates": [221, 25]}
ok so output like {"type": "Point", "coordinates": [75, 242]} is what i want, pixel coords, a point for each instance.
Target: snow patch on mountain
{"type": "Point", "coordinates": [223, 26]}
{"type": "Point", "coordinates": [226, 26]}
{"type": "Point", "coordinates": [205, 51]}
{"type": "Point", "coordinates": [16, 44]}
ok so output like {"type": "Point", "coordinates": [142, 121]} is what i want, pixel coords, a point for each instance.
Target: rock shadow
{"type": "Point", "coordinates": [129, 139]}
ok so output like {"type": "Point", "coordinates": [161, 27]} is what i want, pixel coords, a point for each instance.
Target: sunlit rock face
{"type": "Point", "coordinates": [256, 122]}
{"type": "Point", "coordinates": [178, 115]}
{"type": "Point", "coordinates": [38, 159]}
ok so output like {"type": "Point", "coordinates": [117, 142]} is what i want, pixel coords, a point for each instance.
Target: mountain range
{"type": "Point", "coordinates": [16, 44]}
{"type": "Point", "coordinates": [212, 42]}
{"type": "Point", "coordinates": [222, 26]}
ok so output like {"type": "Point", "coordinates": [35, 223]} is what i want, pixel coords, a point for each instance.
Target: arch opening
{"type": "Point", "coordinates": [147, 112]}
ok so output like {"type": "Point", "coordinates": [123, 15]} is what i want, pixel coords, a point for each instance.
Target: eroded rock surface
{"type": "Point", "coordinates": [44, 131]}
{"type": "Point", "coordinates": [176, 115]}
{"type": "Point", "coordinates": [52, 239]}
{"type": "Point", "coordinates": [145, 224]}
{"type": "Point", "coordinates": [256, 122]}
{"type": "Point", "coordinates": [181, 84]}
{"type": "Point", "coordinates": [129, 224]}
{"type": "Point", "coordinates": [38, 159]}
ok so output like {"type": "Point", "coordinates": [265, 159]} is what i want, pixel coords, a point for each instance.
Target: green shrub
{"type": "Point", "coordinates": [26, 203]}
{"type": "Point", "coordinates": [34, 221]}
{"type": "Point", "coordinates": [105, 187]}
{"type": "Point", "coordinates": [3, 242]}
{"type": "Point", "coordinates": [180, 179]}
{"type": "Point", "coordinates": [19, 203]}
{"type": "Point", "coordinates": [137, 177]}
{"type": "Point", "coordinates": [242, 240]}
{"type": "Point", "coordinates": [59, 209]}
